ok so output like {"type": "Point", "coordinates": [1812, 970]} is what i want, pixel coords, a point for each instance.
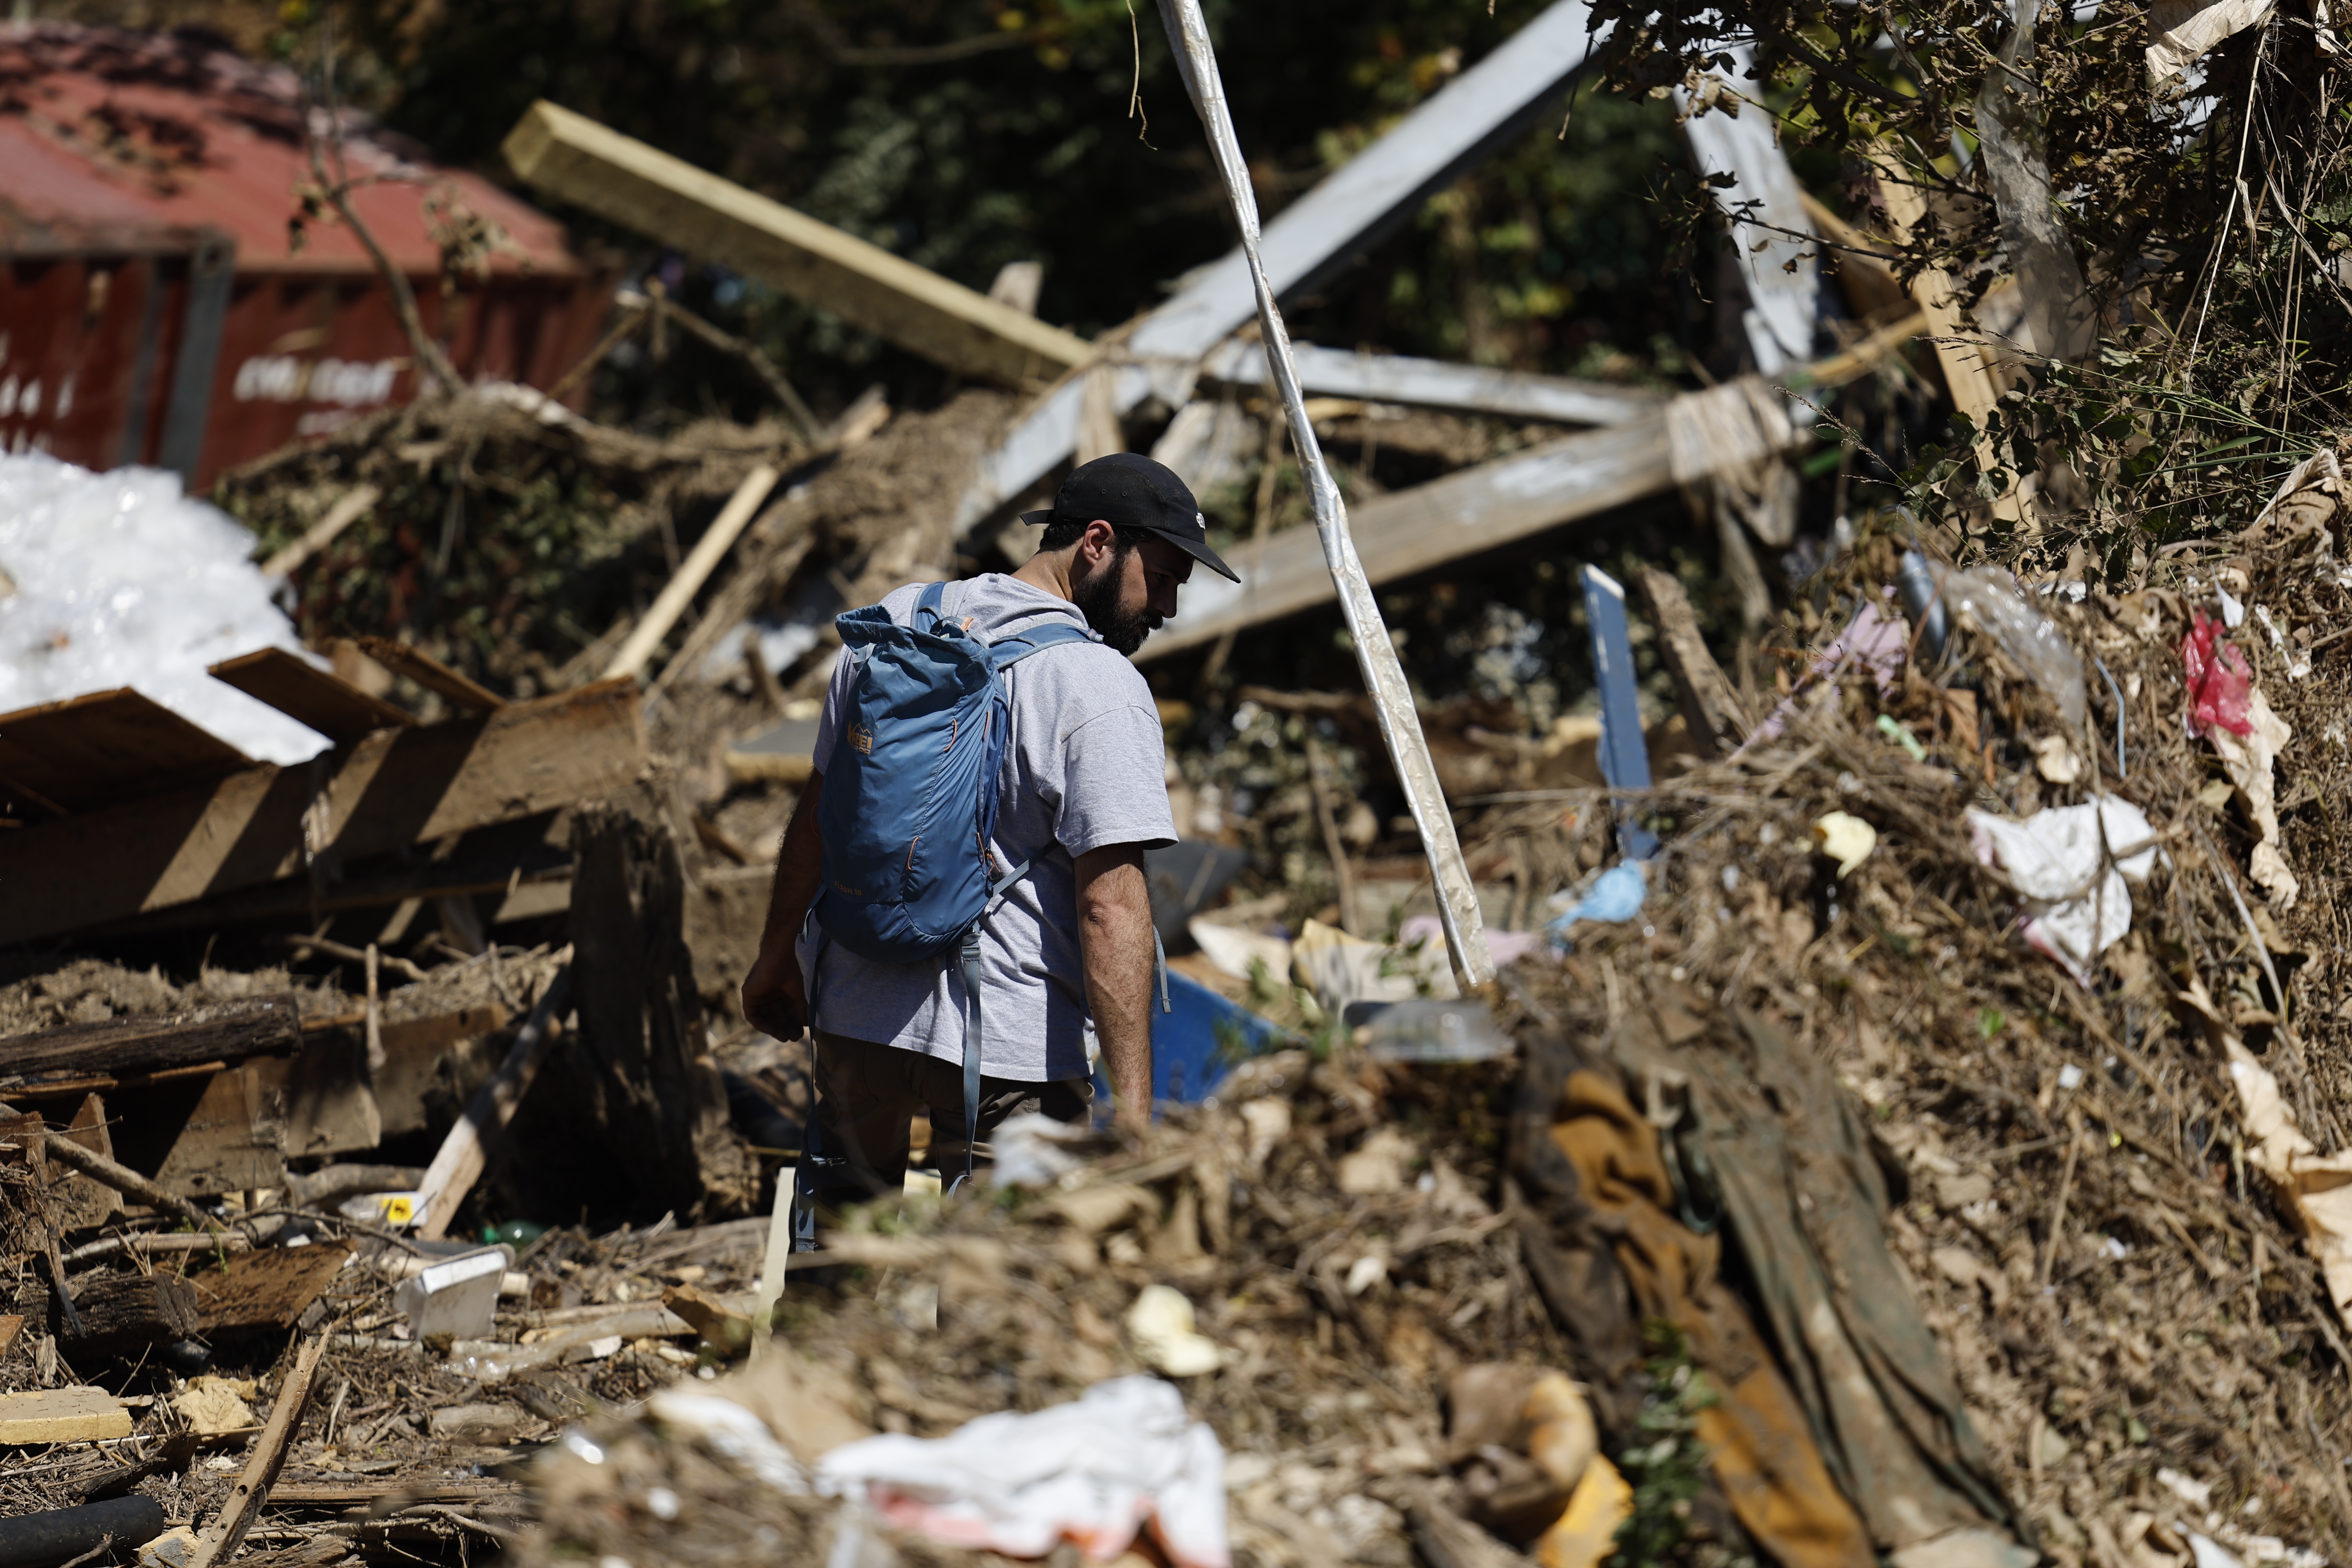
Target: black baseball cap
{"type": "Point", "coordinates": [1128, 489]}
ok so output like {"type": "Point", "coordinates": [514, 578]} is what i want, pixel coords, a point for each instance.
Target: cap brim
{"type": "Point", "coordinates": [1197, 549]}
{"type": "Point", "coordinates": [1038, 519]}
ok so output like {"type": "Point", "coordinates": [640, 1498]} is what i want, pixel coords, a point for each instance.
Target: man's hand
{"type": "Point", "coordinates": [775, 996]}
{"type": "Point", "coordinates": [1115, 936]}
{"type": "Point", "coordinates": [775, 999]}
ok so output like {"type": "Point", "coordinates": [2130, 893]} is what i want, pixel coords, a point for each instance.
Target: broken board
{"type": "Point", "coordinates": [309, 695]}
{"type": "Point", "coordinates": [231, 1143]}
{"type": "Point", "coordinates": [270, 1288]}
{"type": "Point", "coordinates": [391, 790]}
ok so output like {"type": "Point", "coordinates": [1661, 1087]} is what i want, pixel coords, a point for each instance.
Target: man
{"type": "Point", "coordinates": [1067, 957]}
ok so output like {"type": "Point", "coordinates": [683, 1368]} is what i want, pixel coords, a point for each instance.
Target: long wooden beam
{"type": "Point", "coordinates": [392, 789]}
{"type": "Point", "coordinates": [1478, 508]}
{"type": "Point", "coordinates": [263, 1025]}
{"type": "Point", "coordinates": [1411, 530]}
{"type": "Point", "coordinates": [1437, 383]}
{"type": "Point", "coordinates": [571, 157]}
{"type": "Point", "coordinates": [1352, 210]}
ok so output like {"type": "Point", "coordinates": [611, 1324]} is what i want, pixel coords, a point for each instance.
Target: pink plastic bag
{"type": "Point", "coordinates": [2220, 683]}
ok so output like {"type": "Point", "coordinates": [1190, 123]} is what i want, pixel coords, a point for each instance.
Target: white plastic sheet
{"type": "Point", "coordinates": [2077, 907]}
{"type": "Point", "coordinates": [1091, 1471]}
{"type": "Point", "coordinates": [120, 580]}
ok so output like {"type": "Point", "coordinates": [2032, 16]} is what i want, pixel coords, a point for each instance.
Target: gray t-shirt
{"type": "Point", "coordinates": [1085, 766]}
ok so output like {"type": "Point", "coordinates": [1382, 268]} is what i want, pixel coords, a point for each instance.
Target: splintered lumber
{"type": "Point", "coordinates": [463, 1154]}
{"type": "Point", "coordinates": [1437, 383]}
{"type": "Point", "coordinates": [1411, 530]}
{"type": "Point", "coordinates": [309, 695]}
{"type": "Point", "coordinates": [263, 1025]}
{"type": "Point", "coordinates": [270, 1288]}
{"type": "Point", "coordinates": [11, 1325]}
{"type": "Point", "coordinates": [108, 746]}
{"type": "Point", "coordinates": [62, 1415]}
{"type": "Point", "coordinates": [431, 674]}
{"type": "Point", "coordinates": [1376, 656]}
{"type": "Point", "coordinates": [1358, 205]}
{"type": "Point", "coordinates": [252, 1489]}
{"type": "Point", "coordinates": [1711, 709]}
{"type": "Point", "coordinates": [350, 506]}
{"type": "Point", "coordinates": [572, 158]}
{"type": "Point", "coordinates": [700, 563]}
{"type": "Point", "coordinates": [387, 791]}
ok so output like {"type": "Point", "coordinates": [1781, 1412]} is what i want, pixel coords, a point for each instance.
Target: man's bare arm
{"type": "Point", "coordinates": [774, 998]}
{"type": "Point", "coordinates": [1114, 937]}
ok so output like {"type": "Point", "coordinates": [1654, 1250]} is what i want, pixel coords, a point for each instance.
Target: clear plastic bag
{"type": "Point", "coordinates": [2030, 638]}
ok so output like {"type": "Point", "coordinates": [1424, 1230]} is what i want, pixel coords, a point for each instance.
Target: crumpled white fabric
{"type": "Point", "coordinates": [2052, 858]}
{"type": "Point", "coordinates": [1091, 1471]}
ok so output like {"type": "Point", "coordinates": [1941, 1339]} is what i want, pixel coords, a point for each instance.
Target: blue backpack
{"type": "Point", "coordinates": [910, 801]}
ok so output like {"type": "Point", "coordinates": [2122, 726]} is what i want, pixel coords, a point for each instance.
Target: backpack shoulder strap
{"type": "Point", "coordinates": [1006, 652]}
{"type": "Point", "coordinates": [928, 605]}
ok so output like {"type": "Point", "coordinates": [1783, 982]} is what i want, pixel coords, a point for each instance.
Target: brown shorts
{"type": "Point", "coordinates": [868, 1094]}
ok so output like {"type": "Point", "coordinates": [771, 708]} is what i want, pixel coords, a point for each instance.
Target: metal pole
{"type": "Point", "coordinates": [1457, 899]}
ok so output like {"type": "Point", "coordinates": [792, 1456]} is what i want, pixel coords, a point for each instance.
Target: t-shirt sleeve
{"type": "Point", "coordinates": [1114, 783]}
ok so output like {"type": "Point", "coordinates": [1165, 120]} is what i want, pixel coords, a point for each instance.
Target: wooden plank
{"type": "Point", "coordinates": [267, 1290]}
{"type": "Point", "coordinates": [1351, 211]}
{"type": "Point", "coordinates": [108, 746]}
{"type": "Point", "coordinates": [327, 1106]}
{"type": "Point", "coordinates": [11, 1325]}
{"type": "Point", "coordinates": [233, 1140]}
{"type": "Point", "coordinates": [82, 1204]}
{"type": "Point", "coordinates": [700, 563]}
{"type": "Point", "coordinates": [572, 158]}
{"type": "Point", "coordinates": [411, 1053]}
{"type": "Point", "coordinates": [244, 1500]}
{"type": "Point", "coordinates": [414, 1488]}
{"type": "Point", "coordinates": [431, 674]}
{"type": "Point", "coordinates": [1711, 709]}
{"type": "Point", "coordinates": [302, 691]}
{"type": "Point", "coordinates": [392, 790]}
{"type": "Point", "coordinates": [1411, 530]}
{"type": "Point", "coordinates": [1434, 384]}
{"type": "Point", "coordinates": [1376, 654]}
{"type": "Point", "coordinates": [62, 1415]}
{"type": "Point", "coordinates": [254, 1025]}
{"type": "Point", "coordinates": [463, 1154]}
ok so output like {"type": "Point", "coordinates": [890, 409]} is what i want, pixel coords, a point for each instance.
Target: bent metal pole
{"type": "Point", "coordinates": [1457, 899]}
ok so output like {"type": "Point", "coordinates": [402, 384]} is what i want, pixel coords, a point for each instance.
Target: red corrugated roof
{"type": "Point", "coordinates": [112, 138]}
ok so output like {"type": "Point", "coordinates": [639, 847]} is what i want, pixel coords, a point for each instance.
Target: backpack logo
{"type": "Point", "coordinates": [862, 737]}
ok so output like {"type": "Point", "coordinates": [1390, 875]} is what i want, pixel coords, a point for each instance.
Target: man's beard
{"type": "Point", "coordinates": [1097, 600]}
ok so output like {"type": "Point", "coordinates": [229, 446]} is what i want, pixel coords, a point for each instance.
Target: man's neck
{"type": "Point", "coordinates": [1048, 571]}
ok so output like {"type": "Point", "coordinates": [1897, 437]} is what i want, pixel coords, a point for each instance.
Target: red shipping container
{"type": "Point", "coordinates": [154, 304]}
